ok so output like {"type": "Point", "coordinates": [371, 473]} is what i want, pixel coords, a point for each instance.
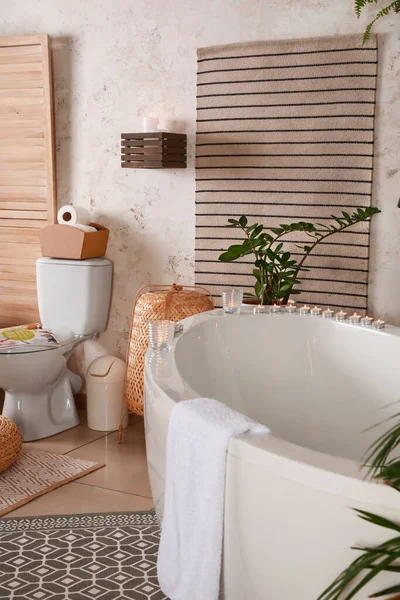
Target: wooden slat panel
{"type": "Point", "coordinates": [9, 250]}
{"type": "Point", "coordinates": [30, 49]}
{"type": "Point", "coordinates": [35, 224]}
{"type": "Point", "coordinates": [13, 59]}
{"type": "Point", "coordinates": [19, 235]}
{"type": "Point", "coordinates": [21, 93]}
{"type": "Point", "coordinates": [22, 191]}
{"type": "Point", "coordinates": [8, 287]}
{"type": "Point", "coordinates": [22, 205]}
{"type": "Point", "coordinates": [27, 180]}
{"type": "Point", "coordinates": [24, 68]}
{"type": "Point", "coordinates": [23, 214]}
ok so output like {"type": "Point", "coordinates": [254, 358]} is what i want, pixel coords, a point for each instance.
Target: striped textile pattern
{"type": "Point", "coordinates": [285, 132]}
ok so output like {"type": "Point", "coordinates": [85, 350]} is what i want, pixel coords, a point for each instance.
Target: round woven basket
{"type": "Point", "coordinates": [10, 443]}
{"type": "Point", "coordinates": [156, 303]}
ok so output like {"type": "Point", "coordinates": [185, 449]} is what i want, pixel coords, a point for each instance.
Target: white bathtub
{"type": "Point", "coordinates": [317, 385]}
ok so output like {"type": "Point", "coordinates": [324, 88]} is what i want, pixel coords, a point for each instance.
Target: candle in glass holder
{"type": "Point", "coordinates": [232, 301]}
{"type": "Point", "coordinates": [260, 309]}
{"type": "Point", "coordinates": [161, 334]}
{"type": "Point", "coordinates": [366, 321]}
{"type": "Point", "coordinates": [340, 316]}
{"type": "Point", "coordinates": [275, 308]}
{"type": "Point", "coordinates": [354, 319]}
{"type": "Point", "coordinates": [291, 308]}
{"type": "Point", "coordinates": [378, 324]}
{"type": "Point", "coordinates": [316, 311]}
{"type": "Point", "coordinates": [328, 313]}
{"type": "Point", "coordinates": [305, 310]}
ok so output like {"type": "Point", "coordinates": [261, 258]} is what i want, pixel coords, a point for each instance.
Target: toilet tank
{"type": "Point", "coordinates": [74, 295]}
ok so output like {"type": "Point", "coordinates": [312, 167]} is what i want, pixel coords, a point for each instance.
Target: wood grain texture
{"type": "Point", "coordinates": [27, 170]}
{"type": "Point", "coordinates": [158, 150]}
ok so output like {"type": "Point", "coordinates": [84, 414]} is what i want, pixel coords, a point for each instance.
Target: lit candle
{"type": "Point", "coordinates": [291, 308]}
{"type": "Point", "coordinates": [178, 327]}
{"type": "Point", "coordinates": [260, 310]}
{"type": "Point", "coordinates": [366, 321]}
{"type": "Point", "coordinates": [304, 310]}
{"type": "Point", "coordinates": [354, 319]}
{"type": "Point", "coordinates": [379, 324]}
{"type": "Point", "coordinates": [316, 311]}
{"type": "Point", "coordinates": [328, 313]}
{"type": "Point", "coordinates": [150, 123]}
{"type": "Point", "coordinates": [341, 315]}
{"type": "Point", "coordinates": [275, 308]}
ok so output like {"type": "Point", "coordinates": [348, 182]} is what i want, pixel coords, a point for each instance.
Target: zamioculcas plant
{"type": "Point", "coordinates": [276, 271]}
{"type": "Point", "coordinates": [376, 560]}
{"type": "Point", "coordinates": [384, 12]}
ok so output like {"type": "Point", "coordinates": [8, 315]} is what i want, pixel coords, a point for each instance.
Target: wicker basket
{"type": "Point", "coordinates": [10, 443]}
{"type": "Point", "coordinates": [156, 303]}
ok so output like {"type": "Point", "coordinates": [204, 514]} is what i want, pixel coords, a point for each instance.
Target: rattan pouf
{"type": "Point", "coordinates": [10, 443]}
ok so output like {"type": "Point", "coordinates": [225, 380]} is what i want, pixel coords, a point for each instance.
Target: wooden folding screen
{"type": "Point", "coordinates": [27, 178]}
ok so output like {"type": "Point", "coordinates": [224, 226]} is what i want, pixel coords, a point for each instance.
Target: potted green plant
{"type": "Point", "coordinates": [383, 12]}
{"type": "Point", "coordinates": [373, 561]}
{"type": "Point", "coordinates": [275, 271]}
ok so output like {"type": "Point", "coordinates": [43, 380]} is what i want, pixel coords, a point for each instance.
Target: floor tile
{"type": "Point", "coordinates": [126, 466]}
{"type": "Point", "coordinates": [75, 498]}
{"type": "Point", "coordinates": [68, 440]}
{"type": "Point", "coordinates": [136, 427]}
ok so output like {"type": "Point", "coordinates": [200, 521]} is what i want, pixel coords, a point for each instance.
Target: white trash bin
{"type": "Point", "coordinates": [105, 388]}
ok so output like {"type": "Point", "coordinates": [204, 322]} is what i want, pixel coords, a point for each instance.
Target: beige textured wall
{"type": "Point", "coordinates": [114, 60]}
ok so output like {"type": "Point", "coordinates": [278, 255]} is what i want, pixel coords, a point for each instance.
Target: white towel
{"type": "Point", "coordinates": [189, 560]}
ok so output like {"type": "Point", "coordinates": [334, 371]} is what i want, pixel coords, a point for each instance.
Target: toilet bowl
{"type": "Point", "coordinates": [74, 300]}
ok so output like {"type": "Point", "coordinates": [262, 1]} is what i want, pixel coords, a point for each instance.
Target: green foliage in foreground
{"type": "Point", "coordinates": [374, 561]}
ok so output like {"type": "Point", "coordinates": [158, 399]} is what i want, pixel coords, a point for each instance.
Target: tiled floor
{"type": "Point", "coordinates": [122, 485]}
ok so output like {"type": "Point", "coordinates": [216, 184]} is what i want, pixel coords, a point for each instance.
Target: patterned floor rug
{"type": "Point", "coordinates": [36, 473]}
{"type": "Point", "coordinates": [99, 556]}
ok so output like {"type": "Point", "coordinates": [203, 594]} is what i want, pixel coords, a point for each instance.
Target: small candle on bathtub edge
{"type": "Point", "coordinates": [354, 319]}
{"type": "Point", "coordinates": [341, 315]}
{"type": "Point", "coordinates": [366, 321]}
{"type": "Point", "coordinates": [291, 307]}
{"type": "Point", "coordinates": [328, 313]}
{"type": "Point", "coordinates": [260, 309]}
{"type": "Point", "coordinates": [275, 308]}
{"type": "Point", "coordinates": [316, 311]}
{"type": "Point", "coordinates": [378, 324]}
{"type": "Point", "coordinates": [305, 310]}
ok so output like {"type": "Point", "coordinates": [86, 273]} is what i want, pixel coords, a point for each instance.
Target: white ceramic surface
{"type": "Point", "coordinates": [317, 384]}
{"type": "Point", "coordinates": [74, 300]}
{"type": "Point", "coordinates": [74, 294]}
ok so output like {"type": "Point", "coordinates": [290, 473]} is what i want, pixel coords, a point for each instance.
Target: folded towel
{"type": "Point", "coordinates": [189, 559]}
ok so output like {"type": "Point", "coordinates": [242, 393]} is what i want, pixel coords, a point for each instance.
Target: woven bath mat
{"type": "Point", "coordinates": [108, 556]}
{"type": "Point", "coordinates": [36, 473]}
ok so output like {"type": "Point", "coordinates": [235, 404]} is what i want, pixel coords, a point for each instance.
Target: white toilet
{"type": "Point", "coordinates": [74, 301]}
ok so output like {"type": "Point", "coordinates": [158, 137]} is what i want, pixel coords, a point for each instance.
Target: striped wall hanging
{"type": "Point", "coordinates": [285, 132]}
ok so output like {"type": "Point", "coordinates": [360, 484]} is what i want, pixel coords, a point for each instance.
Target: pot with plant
{"type": "Point", "coordinates": [275, 270]}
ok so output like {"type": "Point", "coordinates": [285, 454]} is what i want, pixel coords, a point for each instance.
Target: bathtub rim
{"type": "Point", "coordinates": [322, 471]}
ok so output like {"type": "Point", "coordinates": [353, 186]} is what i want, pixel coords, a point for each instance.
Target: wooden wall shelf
{"type": "Point", "coordinates": [158, 150]}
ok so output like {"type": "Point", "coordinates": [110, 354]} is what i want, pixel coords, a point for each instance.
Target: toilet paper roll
{"type": "Point", "coordinates": [73, 215]}
{"type": "Point", "coordinates": [85, 228]}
